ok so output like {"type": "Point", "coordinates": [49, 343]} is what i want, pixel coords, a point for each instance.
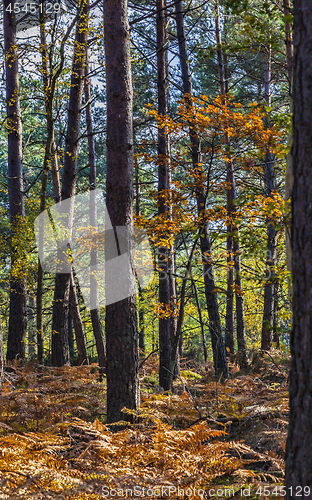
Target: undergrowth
{"type": "Point", "coordinates": [55, 444]}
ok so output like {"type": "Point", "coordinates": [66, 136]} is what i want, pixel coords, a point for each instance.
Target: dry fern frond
{"type": "Point", "coordinates": [48, 449]}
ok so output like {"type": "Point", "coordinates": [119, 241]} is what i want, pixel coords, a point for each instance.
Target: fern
{"type": "Point", "coordinates": [54, 441]}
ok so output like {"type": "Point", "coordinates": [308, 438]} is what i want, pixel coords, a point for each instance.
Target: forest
{"type": "Point", "coordinates": [155, 249]}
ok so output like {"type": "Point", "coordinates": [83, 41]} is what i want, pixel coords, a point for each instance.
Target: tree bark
{"type": "Point", "coordinates": [121, 317]}
{"type": "Point", "coordinates": [18, 290]}
{"type": "Point", "coordinates": [60, 351]}
{"type": "Point", "coordinates": [95, 313]}
{"type": "Point", "coordinates": [299, 440]}
{"type": "Point", "coordinates": [215, 330]}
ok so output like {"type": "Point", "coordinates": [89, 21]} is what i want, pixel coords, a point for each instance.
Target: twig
{"type": "Point", "coordinates": [142, 362]}
{"type": "Point", "coordinates": [266, 352]}
{"type": "Point", "coordinates": [29, 478]}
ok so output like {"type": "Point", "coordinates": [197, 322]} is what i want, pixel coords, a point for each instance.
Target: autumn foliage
{"type": "Point", "coordinates": [55, 443]}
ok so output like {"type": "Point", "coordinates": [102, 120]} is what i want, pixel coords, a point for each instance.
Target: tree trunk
{"type": "Point", "coordinates": [233, 259]}
{"type": "Point", "coordinates": [276, 335]}
{"type": "Point", "coordinates": [49, 98]}
{"type": "Point", "coordinates": [202, 329]}
{"type": "Point", "coordinates": [299, 440]}
{"type": "Point", "coordinates": [176, 340]}
{"type": "Point", "coordinates": [95, 313]}
{"type": "Point", "coordinates": [1, 357]}
{"type": "Point", "coordinates": [138, 213]}
{"type": "Point", "coordinates": [217, 343]}
{"type": "Point", "coordinates": [215, 330]}
{"type": "Point", "coordinates": [229, 316]}
{"type": "Point", "coordinates": [219, 51]}
{"type": "Point", "coordinates": [288, 43]}
{"type": "Point", "coordinates": [240, 311]}
{"type": "Point", "coordinates": [83, 358]}
{"type": "Point", "coordinates": [289, 168]}
{"type": "Point", "coordinates": [121, 317]}
{"type": "Point", "coordinates": [51, 161]}
{"type": "Point", "coordinates": [201, 322]}
{"type": "Point", "coordinates": [31, 327]}
{"type": "Point", "coordinates": [60, 352]}
{"type": "Point", "coordinates": [71, 343]}
{"type": "Point", "coordinates": [18, 291]}
{"type": "Point", "coordinates": [167, 292]}
{"type": "Point", "coordinates": [268, 305]}
{"type": "Point", "coordinates": [267, 321]}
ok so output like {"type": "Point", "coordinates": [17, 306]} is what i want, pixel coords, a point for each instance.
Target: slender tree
{"type": "Point", "coordinates": [230, 194]}
{"type": "Point", "coordinates": [200, 318]}
{"type": "Point", "coordinates": [268, 306]}
{"type": "Point", "coordinates": [215, 329]}
{"type": "Point", "coordinates": [299, 440]}
{"type": "Point", "coordinates": [138, 213]}
{"type": "Point", "coordinates": [95, 313]}
{"type": "Point", "coordinates": [31, 327]}
{"type": "Point", "coordinates": [289, 169]}
{"type": "Point", "coordinates": [121, 318]}
{"type": "Point", "coordinates": [83, 358]}
{"type": "Point", "coordinates": [18, 291]}
{"type": "Point", "coordinates": [1, 357]}
{"type": "Point", "coordinates": [50, 159]}
{"type": "Point", "coordinates": [232, 240]}
{"type": "Point", "coordinates": [60, 349]}
{"type": "Point", "coordinates": [50, 78]}
{"type": "Point", "coordinates": [167, 286]}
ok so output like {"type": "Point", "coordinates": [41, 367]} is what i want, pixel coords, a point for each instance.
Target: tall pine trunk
{"type": "Point", "coordinates": [1, 357]}
{"type": "Point", "coordinates": [60, 349]}
{"type": "Point", "coordinates": [167, 288]}
{"type": "Point", "coordinates": [95, 313]}
{"type": "Point", "coordinates": [138, 213]}
{"type": "Point", "coordinates": [268, 304]}
{"type": "Point", "coordinates": [83, 358]}
{"type": "Point", "coordinates": [289, 168]}
{"type": "Point", "coordinates": [229, 316]}
{"type": "Point", "coordinates": [51, 162]}
{"type": "Point", "coordinates": [121, 318]}
{"type": "Point", "coordinates": [18, 291]}
{"type": "Point", "coordinates": [215, 329]}
{"type": "Point", "coordinates": [232, 241]}
{"type": "Point", "coordinates": [31, 327]}
{"type": "Point", "coordinates": [299, 441]}
{"type": "Point", "coordinates": [50, 158]}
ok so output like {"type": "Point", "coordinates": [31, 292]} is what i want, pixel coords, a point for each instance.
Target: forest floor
{"type": "Point", "coordinates": [205, 440]}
